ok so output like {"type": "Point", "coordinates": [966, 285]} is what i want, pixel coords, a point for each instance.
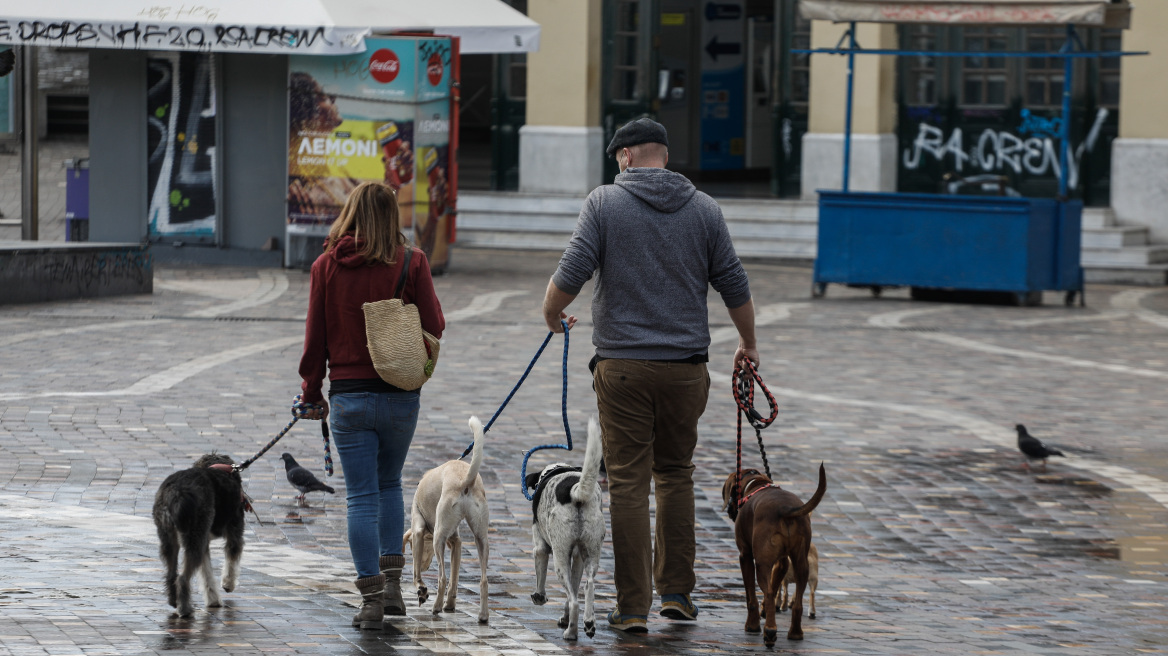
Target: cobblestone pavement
{"type": "Point", "coordinates": [933, 539]}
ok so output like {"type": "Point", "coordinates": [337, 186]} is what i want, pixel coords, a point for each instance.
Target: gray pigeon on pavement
{"type": "Point", "coordinates": [302, 479]}
{"type": "Point", "coordinates": [1033, 448]}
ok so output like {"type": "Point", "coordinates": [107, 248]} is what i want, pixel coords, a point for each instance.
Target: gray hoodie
{"type": "Point", "coordinates": [657, 243]}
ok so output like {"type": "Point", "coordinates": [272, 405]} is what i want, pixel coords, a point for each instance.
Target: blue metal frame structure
{"type": "Point", "coordinates": [1068, 53]}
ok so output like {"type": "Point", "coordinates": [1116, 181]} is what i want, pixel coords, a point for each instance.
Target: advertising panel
{"type": "Point", "coordinates": [382, 115]}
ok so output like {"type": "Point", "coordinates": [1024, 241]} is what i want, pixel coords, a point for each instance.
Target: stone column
{"type": "Point", "coordinates": [1139, 157]}
{"type": "Point", "coordinates": [873, 161]}
{"type": "Point", "coordinates": [561, 146]}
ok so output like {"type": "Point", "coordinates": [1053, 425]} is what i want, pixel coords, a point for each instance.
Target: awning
{"type": "Point", "coordinates": [1103, 13]}
{"type": "Point", "coordinates": [262, 26]}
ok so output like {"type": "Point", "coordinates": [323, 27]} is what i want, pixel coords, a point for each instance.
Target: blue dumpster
{"type": "Point", "coordinates": [77, 200]}
{"type": "Point", "coordinates": [1005, 244]}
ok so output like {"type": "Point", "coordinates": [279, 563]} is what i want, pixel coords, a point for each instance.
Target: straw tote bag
{"type": "Point", "coordinates": [403, 354]}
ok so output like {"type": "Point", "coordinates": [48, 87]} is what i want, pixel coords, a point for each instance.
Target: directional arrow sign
{"type": "Point", "coordinates": [718, 11]}
{"type": "Point", "coordinates": [714, 48]}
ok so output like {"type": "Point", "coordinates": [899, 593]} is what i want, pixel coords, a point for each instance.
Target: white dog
{"type": "Point", "coordinates": [812, 581]}
{"type": "Point", "coordinates": [568, 523]}
{"type": "Point", "coordinates": [448, 494]}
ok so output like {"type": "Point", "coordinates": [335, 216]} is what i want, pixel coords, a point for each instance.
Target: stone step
{"type": "Point", "coordinates": [1122, 257]}
{"type": "Point", "coordinates": [523, 241]}
{"type": "Point", "coordinates": [1098, 217]}
{"type": "Point", "coordinates": [746, 209]}
{"type": "Point", "coordinates": [1153, 275]}
{"type": "Point", "coordinates": [770, 231]}
{"type": "Point", "coordinates": [776, 229]}
{"type": "Point", "coordinates": [1115, 237]}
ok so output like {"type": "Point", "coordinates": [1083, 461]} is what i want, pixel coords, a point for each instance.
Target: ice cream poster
{"type": "Point", "coordinates": [370, 117]}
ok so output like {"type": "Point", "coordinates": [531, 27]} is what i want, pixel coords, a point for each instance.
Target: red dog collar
{"type": "Point", "coordinates": [747, 497]}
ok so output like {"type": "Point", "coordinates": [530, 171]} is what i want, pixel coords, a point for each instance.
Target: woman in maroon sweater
{"type": "Point", "coordinates": [372, 421]}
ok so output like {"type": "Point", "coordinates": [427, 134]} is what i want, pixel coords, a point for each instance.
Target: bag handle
{"type": "Point", "coordinates": [405, 272]}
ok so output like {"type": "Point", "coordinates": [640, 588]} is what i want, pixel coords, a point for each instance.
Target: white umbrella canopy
{"type": "Point", "coordinates": [1110, 13]}
{"type": "Point", "coordinates": [262, 26]}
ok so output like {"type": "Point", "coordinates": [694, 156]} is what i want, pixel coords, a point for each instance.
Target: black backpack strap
{"type": "Point", "coordinates": [405, 272]}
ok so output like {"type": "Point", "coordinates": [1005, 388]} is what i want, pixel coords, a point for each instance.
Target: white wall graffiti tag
{"type": "Point", "coordinates": [1000, 150]}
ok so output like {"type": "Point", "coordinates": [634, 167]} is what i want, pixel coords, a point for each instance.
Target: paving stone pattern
{"type": "Point", "coordinates": [933, 538]}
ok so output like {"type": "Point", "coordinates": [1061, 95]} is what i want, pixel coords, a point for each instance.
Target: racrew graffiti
{"type": "Point", "coordinates": [1032, 148]}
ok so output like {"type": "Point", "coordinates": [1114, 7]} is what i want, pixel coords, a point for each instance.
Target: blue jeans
{"type": "Point", "coordinates": [373, 434]}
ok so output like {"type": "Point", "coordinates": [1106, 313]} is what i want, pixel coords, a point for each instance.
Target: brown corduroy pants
{"type": "Point", "coordinates": [649, 417]}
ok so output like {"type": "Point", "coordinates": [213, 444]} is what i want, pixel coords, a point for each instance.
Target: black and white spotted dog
{"type": "Point", "coordinates": [569, 526]}
{"type": "Point", "coordinates": [191, 507]}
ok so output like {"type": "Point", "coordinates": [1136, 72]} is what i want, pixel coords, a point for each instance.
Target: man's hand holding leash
{"type": "Point", "coordinates": [743, 318]}
{"type": "Point", "coordinates": [554, 302]}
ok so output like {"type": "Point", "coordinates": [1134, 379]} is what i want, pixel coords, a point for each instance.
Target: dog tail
{"type": "Point", "coordinates": [476, 454]}
{"type": "Point", "coordinates": [806, 508]}
{"type": "Point", "coordinates": [582, 490]}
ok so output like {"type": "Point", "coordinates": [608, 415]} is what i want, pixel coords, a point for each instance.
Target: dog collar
{"type": "Point", "coordinates": [747, 497]}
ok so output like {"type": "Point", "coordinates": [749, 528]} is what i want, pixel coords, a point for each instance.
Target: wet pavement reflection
{"type": "Point", "coordinates": [933, 537]}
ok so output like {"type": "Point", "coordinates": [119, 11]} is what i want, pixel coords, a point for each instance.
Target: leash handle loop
{"type": "Point", "coordinates": [300, 410]}
{"type": "Point", "coordinates": [742, 386]}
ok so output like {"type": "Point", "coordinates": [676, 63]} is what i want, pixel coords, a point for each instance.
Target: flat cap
{"type": "Point", "coordinates": [642, 130]}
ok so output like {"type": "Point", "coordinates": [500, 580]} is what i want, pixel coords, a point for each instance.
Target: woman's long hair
{"type": "Point", "coordinates": [371, 215]}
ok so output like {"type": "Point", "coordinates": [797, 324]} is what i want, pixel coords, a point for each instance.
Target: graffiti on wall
{"type": "Point", "coordinates": [180, 104]}
{"type": "Point", "coordinates": [198, 33]}
{"type": "Point", "coordinates": [1030, 148]}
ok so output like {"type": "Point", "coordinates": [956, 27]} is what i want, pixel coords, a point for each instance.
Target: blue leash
{"type": "Point", "coordinates": [563, 410]}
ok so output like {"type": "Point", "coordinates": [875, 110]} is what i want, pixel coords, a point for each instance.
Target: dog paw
{"type": "Point", "coordinates": [449, 608]}
{"type": "Point", "coordinates": [569, 635]}
{"type": "Point", "coordinates": [563, 622]}
{"type": "Point", "coordinates": [537, 598]}
{"type": "Point", "coordinates": [811, 616]}
{"type": "Point", "coordinates": [791, 635]}
{"type": "Point", "coordinates": [753, 628]}
{"type": "Point", "coordinates": [228, 586]}
{"type": "Point", "coordinates": [590, 629]}
{"type": "Point", "coordinates": [483, 619]}
{"type": "Point", "coordinates": [769, 637]}
{"type": "Point", "coordinates": [423, 595]}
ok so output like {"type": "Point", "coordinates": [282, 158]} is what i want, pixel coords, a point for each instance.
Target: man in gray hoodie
{"type": "Point", "coordinates": [655, 244]}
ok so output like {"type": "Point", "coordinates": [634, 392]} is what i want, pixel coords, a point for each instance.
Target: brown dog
{"type": "Point", "coordinates": [773, 532]}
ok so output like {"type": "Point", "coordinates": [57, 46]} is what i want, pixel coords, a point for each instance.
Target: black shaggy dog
{"type": "Point", "coordinates": [191, 507]}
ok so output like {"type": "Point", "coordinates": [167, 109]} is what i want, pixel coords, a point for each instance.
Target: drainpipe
{"type": "Point", "coordinates": [29, 165]}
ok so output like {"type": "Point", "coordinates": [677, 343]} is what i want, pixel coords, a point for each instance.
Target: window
{"type": "Point", "coordinates": [626, 51]}
{"type": "Point", "coordinates": [1044, 75]}
{"type": "Point", "coordinates": [921, 70]}
{"type": "Point", "coordinates": [983, 76]}
{"type": "Point", "coordinates": [1107, 95]}
{"type": "Point", "coordinates": [800, 92]}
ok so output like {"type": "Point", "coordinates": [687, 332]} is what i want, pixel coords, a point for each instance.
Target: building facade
{"type": "Point", "coordinates": [749, 117]}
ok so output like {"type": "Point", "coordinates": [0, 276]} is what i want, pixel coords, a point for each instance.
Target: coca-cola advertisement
{"type": "Point", "coordinates": [381, 115]}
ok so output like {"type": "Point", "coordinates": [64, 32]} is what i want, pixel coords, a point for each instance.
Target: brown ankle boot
{"type": "Point", "coordinates": [371, 588]}
{"type": "Point", "coordinates": [391, 568]}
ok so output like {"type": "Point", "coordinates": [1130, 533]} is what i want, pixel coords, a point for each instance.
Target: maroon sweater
{"type": "Point", "coordinates": [335, 334]}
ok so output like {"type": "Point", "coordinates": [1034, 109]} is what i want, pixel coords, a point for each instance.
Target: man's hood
{"type": "Point", "coordinates": [662, 189]}
{"type": "Point", "coordinates": [345, 252]}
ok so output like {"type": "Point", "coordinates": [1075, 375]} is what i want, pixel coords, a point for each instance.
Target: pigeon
{"type": "Point", "coordinates": [302, 479]}
{"type": "Point", "coordinates": [1033, 448]}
